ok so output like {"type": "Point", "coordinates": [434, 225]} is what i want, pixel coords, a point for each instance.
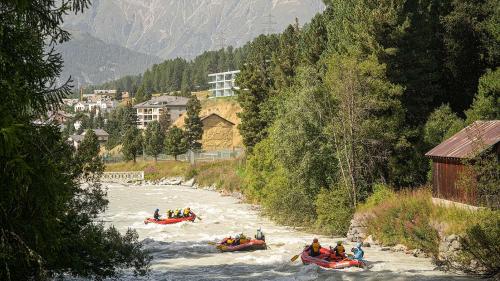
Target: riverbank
{"type": "Point", "coordinates": [405, 222]}
{"type": "Point", "coordinates": [182, 251]}
{"type": "Point", "coordinates": [456, 238]}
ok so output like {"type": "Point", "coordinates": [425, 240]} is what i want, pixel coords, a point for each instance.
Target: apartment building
{"type": "Point", "coordinates": [223, 84]}
{"type": "Point", "coordinates": [151, 110]}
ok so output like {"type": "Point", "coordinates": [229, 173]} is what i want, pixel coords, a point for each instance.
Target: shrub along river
{"type": "Point", "coordinates": [182, 251]}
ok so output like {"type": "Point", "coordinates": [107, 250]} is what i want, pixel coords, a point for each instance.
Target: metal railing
{"type": "Point", "coordinates": [190, 156]}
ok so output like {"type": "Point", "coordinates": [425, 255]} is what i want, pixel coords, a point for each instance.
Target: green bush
{"type": "Point", "coordinates": [334, 210]}
{"type": "Point", "coordinates": [381, 192]}
{"type": "Point", "coordinates": [406, 219]}
{"type": "Point", "coordinates": [481, 242]}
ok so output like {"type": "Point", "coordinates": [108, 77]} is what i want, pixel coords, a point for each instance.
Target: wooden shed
{"type": "Point", "coordinates": [448, 159]}
{"type": "Point", "coordinates": [217, 133]}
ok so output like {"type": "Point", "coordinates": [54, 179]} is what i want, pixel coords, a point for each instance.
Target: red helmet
{"type": "Point", "coordinates": [315, 240]}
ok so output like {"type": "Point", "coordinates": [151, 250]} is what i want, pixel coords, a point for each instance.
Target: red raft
{"type": "Point", "coordinates": [322, 261]}
{"type": "Point", "coordinates": [170, 221]}
{"type": "Point", "coordinates": [251, 245]}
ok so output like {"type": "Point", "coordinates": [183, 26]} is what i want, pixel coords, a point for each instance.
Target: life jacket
{"type": "Point", "coordinates": [315, 246]}
{"type": "Point", "coordinates": [229, 241]}
{"type": "Point", "coordinates": [187, 212]}
{"type": "Point", "coordinates": [243, 240]}
{"type": "Point", "coordinates": [339, 250]}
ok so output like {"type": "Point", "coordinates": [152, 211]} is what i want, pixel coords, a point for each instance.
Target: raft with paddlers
{"type": "Point", "coordinates": [324, 260]}
{"type": "Point", "coordinates": [249, 245]}
{"type": "Point", "coordinates": [192, 217]}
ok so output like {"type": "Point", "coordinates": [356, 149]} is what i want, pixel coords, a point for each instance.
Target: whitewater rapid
{"type": "Point", "coordinates": [182, 251]}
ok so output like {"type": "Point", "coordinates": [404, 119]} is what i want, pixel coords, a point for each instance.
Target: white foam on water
{"type": "Point", "coordinates": [182, 251]}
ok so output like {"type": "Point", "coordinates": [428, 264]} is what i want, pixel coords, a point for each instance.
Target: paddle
{"type": "Point", "coordinates": [212, 243]}
{"type": "Point", "coordinates": [294, 258]}
{"type": "Point", "coordinates": [198, 218]}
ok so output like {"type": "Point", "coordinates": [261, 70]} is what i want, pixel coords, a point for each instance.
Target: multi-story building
{"type": "Point", "coordinates": [151, 110]}
{"type": "Point", "coordinates": [223, 84]}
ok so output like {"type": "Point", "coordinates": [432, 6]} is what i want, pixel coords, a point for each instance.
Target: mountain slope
{"type": "Point", "coordinates": [171, 28]}
{"type": "Point", "coordinates": [89, 60]}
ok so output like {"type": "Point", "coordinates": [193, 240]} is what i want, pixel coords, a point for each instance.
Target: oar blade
{"type": "Point", "coordinates": [294, 258]}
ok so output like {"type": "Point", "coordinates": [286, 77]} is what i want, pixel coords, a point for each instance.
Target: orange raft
{"type": "Point", "coordinates": [323, 260]}
{"type": "Point", "coordinates": [191, 218]}
{"type": "Point", "coordinates": [251, 245]}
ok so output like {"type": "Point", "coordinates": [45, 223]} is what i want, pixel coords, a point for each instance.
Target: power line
{"type": "Point", "coordinates": [269, 23]}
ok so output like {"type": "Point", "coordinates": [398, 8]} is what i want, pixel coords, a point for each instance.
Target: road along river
{"type": "Point", "coordinates": [181, 251]}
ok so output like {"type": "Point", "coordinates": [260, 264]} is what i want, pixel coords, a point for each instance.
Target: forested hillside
{"type": "Point", "coordinates": [179, 74]}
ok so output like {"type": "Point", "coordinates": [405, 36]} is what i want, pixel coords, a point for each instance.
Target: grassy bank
{"type": "Point", "coordinates": [152, 170]}
{"type": "Point", "coordinates": [226, 174]}
{"type": "Point", "coordinates": [410, 218]}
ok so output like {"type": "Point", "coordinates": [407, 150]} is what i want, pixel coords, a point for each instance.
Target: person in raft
{"type": "Point", "coordinates": [157, 214]}
{"type": "Point", "coordinates": [170, 213]}
{"type": "Point", "coordinates": [358, 252]}
{"type": "Point", "coordinates": [260, 235]}
{"type": "Point", "coordinates": [177, 213]}
{"type": "Point", "coordinates": [314, 248]}
{"type": "Point", "coordinates": [338, 252]}
{"type": "Point", "coordinates": [187, 212]}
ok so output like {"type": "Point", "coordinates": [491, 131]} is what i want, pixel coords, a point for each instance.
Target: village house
{"type": "Point", "coordinates": [70, 102]}
{"type": "Point", "coordinates": [60, 116]}
{"type": "Point", "coordinates": [449, 161]}
{"type": "Point", "coordinates": [217, 133]}
{"type": "Point", "coordinates": [151, 110]}
{"type": "Point", "coordinates": [102, 137]}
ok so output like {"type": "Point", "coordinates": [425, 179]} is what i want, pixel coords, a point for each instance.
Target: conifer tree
{"type": "Point", "coordinates": [132, 143]}
{"type": "Point", "coordinates": [175, 142]}
{"type": "Point", "coordinates": [194, 126]}
{"type": "Point", "coordinates": [153, 139]}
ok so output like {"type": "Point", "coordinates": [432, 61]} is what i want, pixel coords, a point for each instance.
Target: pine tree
{"type": "Point", "coordinates": [153, 139]}
{"type": "Point", "coordinates": [88, 153]}
{"type": "Point", "coordinates": [194, 126]}
{"type": "Point", "coordinates": [132, 143]}
{"type": "Point", "coordinates": [165, 120]}
{"type": "Point", "coordinates": [256, 82]}
{"type": "Point", "coordinates": [175, 142]}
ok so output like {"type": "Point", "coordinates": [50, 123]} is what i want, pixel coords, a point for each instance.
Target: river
{"type": "Point", "coordinates": [182, 252]}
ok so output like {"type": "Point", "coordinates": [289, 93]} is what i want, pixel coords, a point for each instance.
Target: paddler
{"type": "Point", "coordinates": [314, 248]}
{"type": "Point", "coordinates": [170, 213]}
{"type": "Point", "coordinates": [260, 235]}
{"type": "Point", "coordinates": [177, 213]}
{"type": "Point", "coordinates": [339, 251]}
{"type": "Point", "coordinates": [358, 252]}
{"type": "Point", "coordinates": [187, 212]}
{"type": "Point", "coordinates": [157, 214]}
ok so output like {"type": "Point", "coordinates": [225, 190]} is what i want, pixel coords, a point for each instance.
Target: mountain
{"type": "Point", "coordinates": [186, 28]}
{"type": "Point", "coordinates": [89, 60]}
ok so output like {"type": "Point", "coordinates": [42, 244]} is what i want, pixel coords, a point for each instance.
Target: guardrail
{"type": "Point", "coordinates": [122, 176]}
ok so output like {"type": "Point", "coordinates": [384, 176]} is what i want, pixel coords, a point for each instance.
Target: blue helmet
{"type": "Point", "coordinates": [157, 210]}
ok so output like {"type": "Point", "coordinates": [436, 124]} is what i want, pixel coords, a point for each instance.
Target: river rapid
{"type": "Point", "coordinates": [182, 251]}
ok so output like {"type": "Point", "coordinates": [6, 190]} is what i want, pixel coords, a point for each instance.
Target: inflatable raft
{"type": "Point", "coordinates": [251, 245]}
{"type": "Point", "coordinates": [322, 260]}
{"type": "Point", "coordinates": [170, 221]}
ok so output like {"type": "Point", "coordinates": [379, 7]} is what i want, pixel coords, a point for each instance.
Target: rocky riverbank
{"type": "Point", "coordinates": [448, 257]}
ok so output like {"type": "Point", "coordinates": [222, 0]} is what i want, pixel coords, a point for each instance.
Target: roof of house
{"type": "Point", "coordinates": [98, 132]}
{"type": "Point", "coordinates": [77, 138]}
{"type": "Point", "coordinates": [163, 101]}
{"type": "Point", "coordinates": [470, 141]}
{"type": "Point", "coordinates": [217, 115]}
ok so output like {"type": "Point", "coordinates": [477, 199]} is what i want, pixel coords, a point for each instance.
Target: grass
{"type": "Point", "coordinates": [226, 174]}
{"type": "Point", "coordinates": [410, 218]}
{"type": "Point", "coordinates": [152, 170]}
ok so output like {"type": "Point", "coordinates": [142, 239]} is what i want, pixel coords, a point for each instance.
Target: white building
{"type": "Point", "coordinates": [223, 84]}
{"type": "Point", "coordinates": [151, 110]}
{"type": "Point", "coordinates": [80, 106]}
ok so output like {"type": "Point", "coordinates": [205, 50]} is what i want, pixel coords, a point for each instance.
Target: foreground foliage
{"type": "Point", "coordinates": [46, 214]}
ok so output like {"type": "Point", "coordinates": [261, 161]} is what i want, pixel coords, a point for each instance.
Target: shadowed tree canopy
{"type": "Point", "coordinates": [48, 220]}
